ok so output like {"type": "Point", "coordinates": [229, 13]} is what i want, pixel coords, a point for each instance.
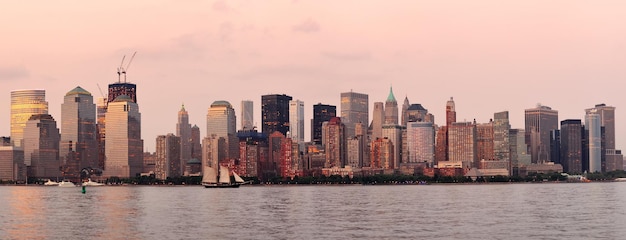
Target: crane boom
{"type": "Point", "coordinates": [128, 65]}
{"type": "Point", "coordinates": [120, 70]}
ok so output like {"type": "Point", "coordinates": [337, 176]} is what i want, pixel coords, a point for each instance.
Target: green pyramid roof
{"type": "Point", "coordinates": [391, 98]}
{"type": "Point", "coordinates": [78, 91]}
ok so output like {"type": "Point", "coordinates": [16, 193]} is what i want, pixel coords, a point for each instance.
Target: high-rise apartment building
{"type": "Point", "coordinates": [391, 109]}
{"type": "Point", "coordinates": [539, 122]}
{"type": "Point", "coordinates": [253, 149]}
{"type": "Point", "coordinates": [247, 115]}
{"type": "Point", "coordinates": [168, 155]}
{"type": "Point", "coordinates": [275, 113]}
{"type": "Point", "coordinates": [123, 143]}
{"type": "Point", "coordinates": [183, 131]}
{"type": "Point", "coordinates": [519, 150]}
{"type": "Point", "coordinates": [381, 154]}
{"type": "Point", "coordinates": [79, 143]}
{"type": "Point", "coordinates": [485, 141]}
{"type": "Point", "coordinates": [462, 143]}
{"type": "Point", "coordinates": [334, 142]}
{"type": "Point", "coordinates": [354, 109]}
{"type": "Point", "coordinates": [321, 113]}
{"type": "Point", "coordinates": [571, 146]}
{"type": "Point", "coordinates": [378, 118]}
{"type": "Point", "coordinates": [296, 121]}
{"type": "Point", "coordinates": [41, 147]}
{"type": "Point", "coordinates": [420, 142]}
{"type": "Point", "coordinates": [12, 163]}
{"type": "Point", "coordinates": [24, 104]}
{"type": "Point", "coordinates": [593, 126]}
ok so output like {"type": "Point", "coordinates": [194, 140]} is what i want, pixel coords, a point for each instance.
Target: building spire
{"type": "Point", "coordinates": [391, 98]}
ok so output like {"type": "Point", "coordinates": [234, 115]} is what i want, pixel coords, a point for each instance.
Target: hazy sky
{"type": "Point", "coordinates": [489, 55]}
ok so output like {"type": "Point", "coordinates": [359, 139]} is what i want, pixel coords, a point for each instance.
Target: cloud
{"type": "Point", "coordinates": [347, 56]}
{"type": "Point", "coordinates": [12, 73]}
{"type": "Point", "coordinates": [221, 6]}
{"type": "Point", "coordinates": [307, 26]}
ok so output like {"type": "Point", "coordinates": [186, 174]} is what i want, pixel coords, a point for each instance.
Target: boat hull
{"type": "Point", "coordinates": [209, 185]}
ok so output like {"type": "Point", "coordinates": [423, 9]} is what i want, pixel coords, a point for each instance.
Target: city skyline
{"type": "Point", "coordinates": [496, 57]}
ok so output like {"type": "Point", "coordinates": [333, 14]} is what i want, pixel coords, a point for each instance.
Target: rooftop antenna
{"type": "Point", "coordinates": [127, 66]}
{"type": "Point", "coordinates": [119, 70]}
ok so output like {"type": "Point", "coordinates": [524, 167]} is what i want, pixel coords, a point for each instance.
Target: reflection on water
{"type": "Point", "coordinates": [494, 211]}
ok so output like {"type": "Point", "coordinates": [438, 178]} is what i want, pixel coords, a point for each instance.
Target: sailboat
{"type": "Point", "coordinates": [214, 179]}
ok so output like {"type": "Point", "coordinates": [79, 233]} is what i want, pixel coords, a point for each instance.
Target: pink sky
{"type": "Point", "coordinates": [489, 55]}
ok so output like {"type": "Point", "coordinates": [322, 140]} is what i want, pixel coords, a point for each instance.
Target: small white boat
{"type": "Point", "coordinates": [90, 183]}
{"type": "Point", "coordinates": [51, 183]}
{"type": "Point", "coordinates": [66, 183]}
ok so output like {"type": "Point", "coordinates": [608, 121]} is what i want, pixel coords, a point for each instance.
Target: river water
{"type": "Point", "coordinates": [489, 211]}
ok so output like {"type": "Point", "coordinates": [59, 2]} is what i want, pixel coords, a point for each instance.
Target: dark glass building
{"type": "Point", "coordinates": [122, 88]}
{"type": "Point", "coordinates": [275, 113]}
{"type": "Point", "coordinates": [321, 113]}
{"type": "Point", "coordinates": [572, 145]}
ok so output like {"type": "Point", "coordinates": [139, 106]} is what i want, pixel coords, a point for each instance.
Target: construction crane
{"type": "Point", "coordinates": [119, 70]}
{"type": "Point", "coordinates": [128, 65]}
{"type": "Point", "coordinates": [100, 89]}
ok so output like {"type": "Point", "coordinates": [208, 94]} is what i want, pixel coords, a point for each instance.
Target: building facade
{"type": "Point", "coordinates": [539, 122]}
{"type": "Point", "coordinates": [123, 143]}
{"type": "Point", "coordinates": [321, 113]}
{"type": "Point", "coordinates": [183, 131]}
{"type": "Point", "coordinates": [275, 113]}
{"type": "Point", "coordinates": [354, 109]}
{"type": "Point", "coordinates": [79, 138]}
{"type": "Point", "coordinates": [247, 114]}
{"type": "Point", "coordinates": [420, 142]}
{"type": "Point", "coordinates": [462, 143]}
{"type": "Point", "coordinates": [41, 147]}
{"type": "Point", "coordinates": [296, 121]}
{"type": "Point", "coordinates": [168, 164]}
{"type": "Point", "coordinates": [24, 104]}
{"type": "Point", "coordinates": [571, 146]}
{"type": "Point", "coordinates": [334, 142]}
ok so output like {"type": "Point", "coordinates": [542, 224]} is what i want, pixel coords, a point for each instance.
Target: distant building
{"type": "Point", "coordinates": [403, 115]}
{"type": "Point", "coordinates": [183, 131]}
{"type": "Point", "coordinates": [377, 120]}
{"type": "Point", "coordinates": [393, 132]}
{"type": "Point", "coordinates": [124, 146]}
{"type": "Point", "coordinates": [391, 109]}
{"type": "Point", "coordinates": [485, 141]}
{"type": "Point", "coordinates": [421, 142]}
{"type": "Point", "coordinates": [275, 113]}
{"type": "Point", "coordinates": [222, 123]}
{"type": "Point", "coordinates": [334, 142]}
{"type": "Point", "coordinates": [519, 150]}
{"type": "Point", "coordinates": [593, 127]}
{"type": "Point", "coordinates": [381, 154]}
{"type": "Point", "coordinates": [253, 149]}
{"type": "Point", "coordinates": [501, 129]}
{"type": "Point", "coordinates": [354, 109]}
{"type": "Point", "coordinates": [196, 144]}
{"type": "Point", "coordinates": [24, 104]}
{"type": "Point", "coordinates": [321, 113]}
{"type": "Point", "coordinates": [168, 164]}
{"type": "Point", "coordinates": [296, 121]}
{"type": "Point", "coordinates": [539, 122]}
{"type": "Point", "coordinates": [417, 113]}
{"type": "Point", "coordinates": [571, 146]}
{"type": "Point", "coordinates": [247, 115]}
{"type": "Point", "coordinates": [101, 110]}
{"type": "Point", "coordinates": [122, 88]}
{"type": "Point", "coordinates": [79, 143]}
{"type": "Point", "coordinates": [462, 143]}
{"type": "Point", "coordinates": [12, 164]}
{"type": "Point", "coordinates": [41, 147]}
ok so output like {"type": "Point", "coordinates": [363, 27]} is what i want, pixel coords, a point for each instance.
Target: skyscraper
{"type": "Point", "coordinates": [168, 155]}
{"type": "Point", "coordinates": [381, 154]}
{"type": "Point", "coordinates": [539, 122]}
{"type": "Point", "coordinates": [183, 131]}
{"type": "Point", "coordinates": [24, 104]}
{"type": "Point", "coordinates": [296, 121]}
{"type": "Point", "coordinates": [41, 146]}
{"type": "Point", "coordinates": [593, 126]}
{"type": "Point", "coordinates": [334, 142]}
{"type": "Point", "coordinates": [485, 141]}
{"type": "Point", "coordinates": [417, 113]}
{"type": "Point", "coordinates": [247, 115]}
{"type": "Point", "coordinates": [221, 120]}
{"type": "Point", "coordinates": [101, 110]}
{"type": "Point", "coordinates": [196, 148]}
{"type": "Point", "coordinates": [420, 142]}
{"type": "Point", "coordinates": [571, 146]}
{"type": "Point", "coordinates": [393, 132]}
{"type": "Point", "coordinates": [79, 143]}
{"type": "Point", "coordinates": [462, 143]}
{"type": "Point", "coordinates": [378, 119]}
{"type": "Point", "coordinates": [405, 107]}
{"type": "Point", "coordinates": [275, 113]}
{"type": "Point", "coordinates": [321, 113]}
{"type": "Point", "coordinates": [607, 120]}
{"type": "Point", "coordinates": [124, 146]}
{"type": "Point", "coordinates": [354, 109]}
{"type": "Point", "coordinates": [391, 109]}
{"type": "Point", "coordinates": [501, 129]}
{"type": "Point", "coordinates": [450, 112]}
